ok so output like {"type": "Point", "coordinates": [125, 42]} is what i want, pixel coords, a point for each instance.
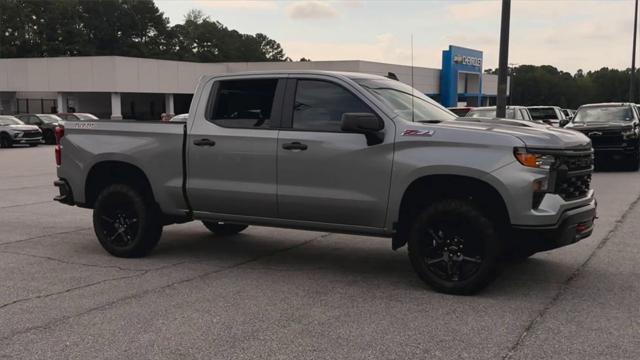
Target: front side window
{"type": "Point", "coordinates": [244, 103]}
{"type": "Point", "coordinates": [319, 105]}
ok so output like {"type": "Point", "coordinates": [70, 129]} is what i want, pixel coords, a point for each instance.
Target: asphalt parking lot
{"type": "Point", "coordinates": [273, 293]}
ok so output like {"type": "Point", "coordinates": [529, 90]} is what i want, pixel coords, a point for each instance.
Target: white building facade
{"type": "Point", "coordinates": [135, 88]}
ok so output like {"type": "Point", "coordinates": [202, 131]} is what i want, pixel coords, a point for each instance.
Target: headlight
{"type": "Point", "coordinates": [628, 132]}
{"type": "Point", "coordinates": [534, 160]}
{"type": "Point", "coordinates": [17, 134]}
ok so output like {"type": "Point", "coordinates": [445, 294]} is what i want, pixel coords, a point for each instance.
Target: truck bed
{"type": "Point", "coordinates": [156, 148]}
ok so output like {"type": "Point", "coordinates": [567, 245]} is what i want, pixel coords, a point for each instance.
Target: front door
{"type": "Point", "coordinates": [232, 149]}
{"type": "Point", "coordinates": [324, 174]}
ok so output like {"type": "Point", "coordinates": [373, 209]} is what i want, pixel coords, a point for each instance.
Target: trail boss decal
{"type": "Point", "coordinates": [414, 132]}
{"type": "Point", "coordinates": [80, 125]}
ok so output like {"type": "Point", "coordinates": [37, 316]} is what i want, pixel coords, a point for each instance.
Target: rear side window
{"type": "Point", "coordinates": [244, 103]}
{"type": "Point", "coordinates": [319, 105]}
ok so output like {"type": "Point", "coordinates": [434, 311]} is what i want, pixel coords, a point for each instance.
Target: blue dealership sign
{"type": "Point", "coordinates": [455, 61]}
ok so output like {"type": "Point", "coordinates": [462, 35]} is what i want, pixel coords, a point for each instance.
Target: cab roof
{"type": "Point", "coordinates": [345, 74]}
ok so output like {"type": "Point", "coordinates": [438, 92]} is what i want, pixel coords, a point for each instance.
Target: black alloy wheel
{"type": "Point", "coordinates": [453, 247]}
{"type": "Point", "coordinates": [125, 222]}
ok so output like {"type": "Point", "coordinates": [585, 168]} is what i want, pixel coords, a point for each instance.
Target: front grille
{"type": "Point", "coordinates": [574, 187]}
{"type": "Point", "coordinates": [605, 138]}
{"type": "Point", "coordinates": [31, 134]}
{"type": "Point", "coordinates": [573, 175]}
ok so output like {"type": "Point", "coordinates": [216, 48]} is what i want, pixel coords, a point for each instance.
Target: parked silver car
{"type": "Point", "coordinates": [513, 112]}
{"type": "Point", "coordinates": [13, 131]}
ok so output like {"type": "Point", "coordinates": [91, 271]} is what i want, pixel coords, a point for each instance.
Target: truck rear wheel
{"type": "Point", "coordinates": [125, 222]}
{"type": "Point", "coordinates": [454, 247]}
{"type": "Point", "coordinates": [219, 228]}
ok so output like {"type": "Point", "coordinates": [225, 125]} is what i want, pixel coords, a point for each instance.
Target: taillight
{"type": "Point", "coordinates": [59, 133]}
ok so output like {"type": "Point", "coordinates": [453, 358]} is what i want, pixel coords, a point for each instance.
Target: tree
{"type": "Point", "coordinates": [30, 28]}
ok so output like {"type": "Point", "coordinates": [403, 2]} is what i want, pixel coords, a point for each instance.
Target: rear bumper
{"type": "Point", "coordinates": [573, 226]}
{"type": "Point", "coordinates": [66, 196]}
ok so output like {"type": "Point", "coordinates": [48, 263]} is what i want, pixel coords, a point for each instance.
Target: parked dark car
{"type": "Point", "coordinates": [614, 129]}
{"type": "Point", "coordinates": [77, 116]}
{"type": "Point", "coordinates": [46, 122]}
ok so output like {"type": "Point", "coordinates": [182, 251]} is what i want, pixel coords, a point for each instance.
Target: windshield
{"type": "Point", "coordinates": [490, 113]}
{"type": "Point", "coordinates": [603, 114]}
{"type": "Point", "coordinates": [543, 113]}
{"type": "Point", "coordinates": [48, 118]}
{"type": "Point", "coordinates": [399, 98]}
{"type": "Point", "coordinates": [10, 120]}
{"type": "Point", "coordinates": [86, 116]}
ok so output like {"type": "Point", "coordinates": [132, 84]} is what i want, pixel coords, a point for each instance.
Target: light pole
{"type": "Point", "coordinates": [503, 60]}
{"type": "Point", "coordinates": [512, 66]}
{"type": "Point", "coordinates": [633, 55]}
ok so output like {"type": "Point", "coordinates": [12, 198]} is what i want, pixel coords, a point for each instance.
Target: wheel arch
{"type": "Point", "coordinates": [430, 188]}
{"type": "Point", "coordinates": [105, 173]}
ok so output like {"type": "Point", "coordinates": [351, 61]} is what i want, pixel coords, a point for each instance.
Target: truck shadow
{"type": "Point", "coordinates": [341, 259]}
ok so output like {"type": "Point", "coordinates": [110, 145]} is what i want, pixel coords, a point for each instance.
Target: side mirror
{"type": "Point", "coordinates": [364, 123]}
{"type": "Point", "coordinates": [564, 122]}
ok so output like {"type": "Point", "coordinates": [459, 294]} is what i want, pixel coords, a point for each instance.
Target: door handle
{"type": "Point", "coordinates": [204, 142]}
{"type": "Point", "coordinates": [294, 146]}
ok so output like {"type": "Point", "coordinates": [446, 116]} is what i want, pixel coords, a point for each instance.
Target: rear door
{"type": "Point", "coordinates": [324, 174]}
{"type": "Point", "coordinates": [232, 148]}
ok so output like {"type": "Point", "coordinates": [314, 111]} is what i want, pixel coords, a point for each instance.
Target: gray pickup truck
{"type": "Point", "coordinates": [338, 152]}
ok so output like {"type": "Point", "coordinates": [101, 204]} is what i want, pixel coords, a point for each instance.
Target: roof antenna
{"type": "Point", "coordinates": [412, 111]}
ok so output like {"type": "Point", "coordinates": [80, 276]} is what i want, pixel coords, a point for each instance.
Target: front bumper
{"type": "Point", "coordinates": [573, 226]}
{"type": "Point", "coordinates": [37, 140]}
{"type": "Point", "coordinates": [616, 150]}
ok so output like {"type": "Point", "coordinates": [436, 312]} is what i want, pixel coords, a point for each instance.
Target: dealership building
{"type": "Point", "coordinates": [135, 88]}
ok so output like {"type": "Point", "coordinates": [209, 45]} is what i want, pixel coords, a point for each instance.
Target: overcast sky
{"type": "Point", "coordinates": [569, 34]}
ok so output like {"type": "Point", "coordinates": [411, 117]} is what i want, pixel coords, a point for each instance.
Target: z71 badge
{"type": "Point", "coordinates": [414, 132]}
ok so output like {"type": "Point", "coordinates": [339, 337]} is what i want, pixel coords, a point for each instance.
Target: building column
{"type": "Point", "coordinates": [116, 107]}
{"type": "Point", "coordinates": [168, 104]}
{"type": "Point", "coordinates": [61, 104]}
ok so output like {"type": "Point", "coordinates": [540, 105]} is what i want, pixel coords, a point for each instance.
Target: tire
{"type": "Point", "coordinates": [219, 228]}
{"type": "Point", "coordinates": [5, 141]}
{"type": "Point", "coordinates": [454, 247]}
{"type": "Point", "coordinates": [49, 137]}
{"type": "Point", "coordinates": [126, 223]}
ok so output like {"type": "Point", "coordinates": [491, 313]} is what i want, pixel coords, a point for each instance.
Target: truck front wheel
{"type": "Point", "coordinates": [125, 222]}
{"type": "Point", "coordinates": [453, 247]}
{"type": "Point", "coordinates": [219, 228]}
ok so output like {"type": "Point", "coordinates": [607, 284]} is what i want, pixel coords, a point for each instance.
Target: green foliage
{"type": "Point", "coordinates": [546, 85]}
{"type": "Point", "coordinates": [40, 28]}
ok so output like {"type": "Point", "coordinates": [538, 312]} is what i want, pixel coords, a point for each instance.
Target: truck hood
{"type": "Point", "coordinates": [23, 127]}
{"type": "Point", "coordinates": [534, 135]}
{"type": "Point", "coordinates": [610, 125]}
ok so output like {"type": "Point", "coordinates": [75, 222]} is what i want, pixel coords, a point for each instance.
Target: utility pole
{"type": "Point", "coordinates": [503, 60]}
{"type": "Point", "coordinates": [633, 55]}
